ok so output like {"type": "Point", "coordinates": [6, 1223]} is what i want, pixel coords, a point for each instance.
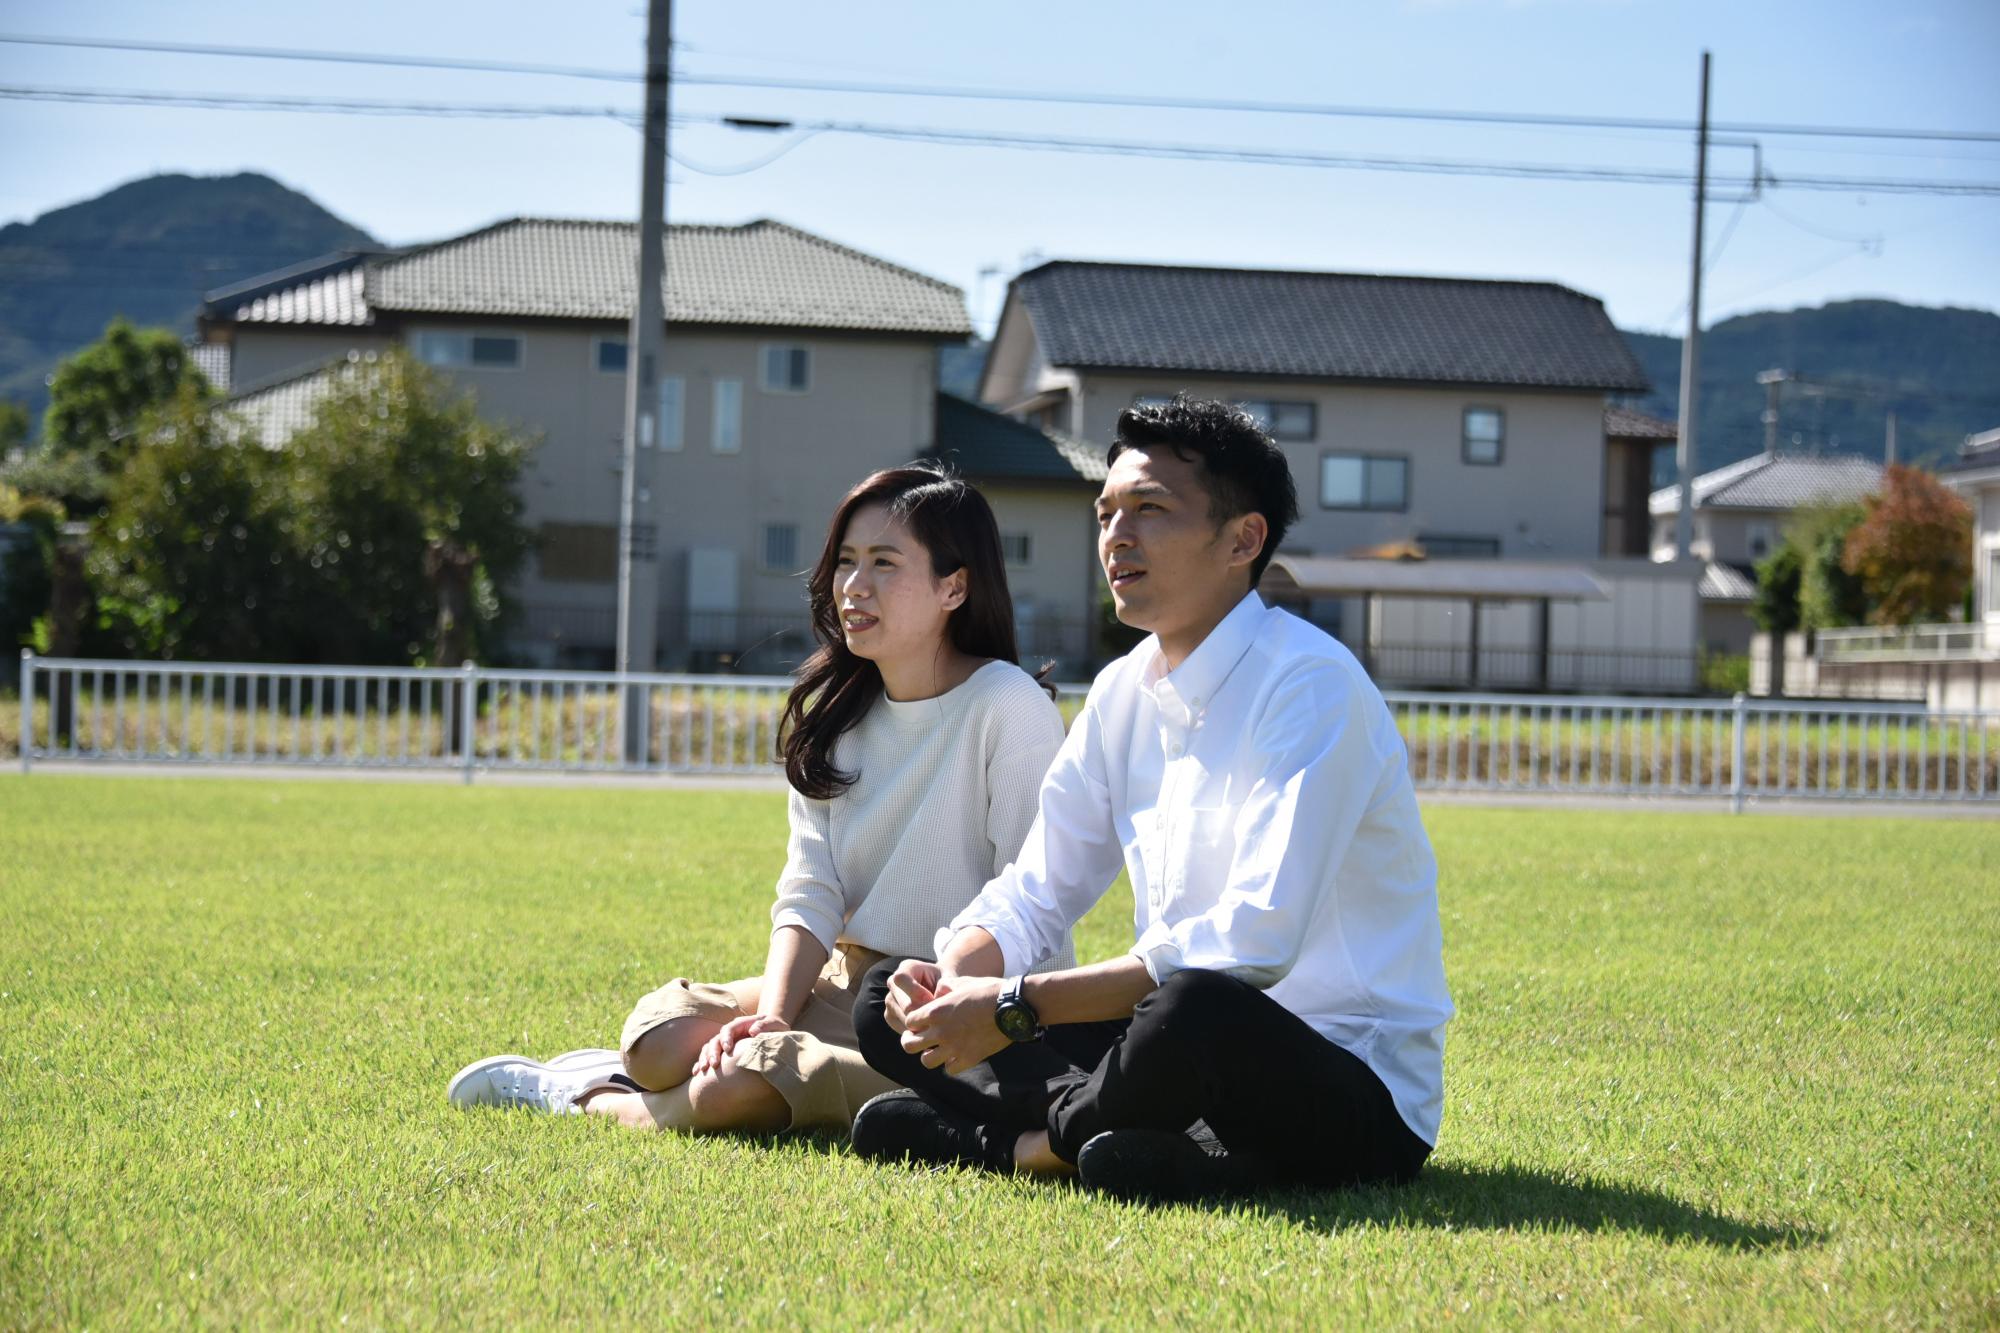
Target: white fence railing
{"type": "Point", "coordinates": [1910, 643]}
{"type": "Point", "coordinates": [478, 720]}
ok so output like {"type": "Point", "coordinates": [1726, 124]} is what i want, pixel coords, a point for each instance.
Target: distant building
{"type": "Point", "coordinates": [1740, 512]}
{"type": "Point", "coordinates": [794, 366]}
{"type": "Point", "coordinates": [1452, 420]}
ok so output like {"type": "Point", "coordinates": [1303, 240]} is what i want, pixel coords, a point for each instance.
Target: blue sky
{"type": "Point", "coordinates": [952, 211]}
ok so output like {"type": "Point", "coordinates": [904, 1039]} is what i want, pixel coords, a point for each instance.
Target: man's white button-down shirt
{"type": "Point", "coordinates": [1259, 797]}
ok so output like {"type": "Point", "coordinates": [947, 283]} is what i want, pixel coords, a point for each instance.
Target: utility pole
{"type": "Point", "coordinates": [1691, 345]}
{"type": "Point", "coordinates": [645, 352]}
{"type": "Point", "coordinates": [1771, 379]}
{"type": "Point", "coordinates": [1889, 440]}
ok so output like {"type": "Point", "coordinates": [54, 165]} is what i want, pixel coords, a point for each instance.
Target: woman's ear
{"type": "Point", "coordinates": [954, 589]}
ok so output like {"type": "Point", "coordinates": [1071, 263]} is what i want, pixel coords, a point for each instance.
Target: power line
{"type": "Point", "coordinates": [960, 93]}
{"type": "Point", "coordinates": [1002, 139]}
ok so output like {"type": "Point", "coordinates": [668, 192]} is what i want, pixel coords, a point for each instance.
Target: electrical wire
{"type": "Point", "coordinates": [962, 93]}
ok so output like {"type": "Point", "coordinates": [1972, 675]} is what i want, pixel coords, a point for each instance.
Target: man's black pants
{"type": "Point", "coordinates": [1203, 1047]}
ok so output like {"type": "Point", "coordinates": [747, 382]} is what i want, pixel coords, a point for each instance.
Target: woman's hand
{"type": "Point", "coordinates": [735, 1030]}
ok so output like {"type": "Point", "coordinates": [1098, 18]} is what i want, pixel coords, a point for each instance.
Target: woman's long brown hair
{"type": "Point", "coordinates": [835, 687]}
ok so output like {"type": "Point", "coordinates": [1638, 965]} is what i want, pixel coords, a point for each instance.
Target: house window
{"type": "Point", "coordinates": [1459, 546]}
{"type": "Point", "coordinates": [610, 355]}
{"type": "Point", "coordinates": [1364, 481]}
{"type": "Point", "coordinates": [1993, 582]}
{"type": "Point", "coordinates": [1762, 537]}
{"type": "Point", "coordinates": [1484, 436]}
{"type": "Point", "coordinates": [577, 552]}
{"type": "Point", "coordinates": [671, 434]}
{"type": "Point", "coordinates": [1017, 548]}
{"type": "Point", "coordinates": [787, 369]}
{"type": "Point", "coordinates": [726, 427]}
{"type": "Point", "coordinates": [479, 351]}
{"type": "Point", "coordinates": [781, 547]}
{"type": "Point", "coordinates": [1284, 421]}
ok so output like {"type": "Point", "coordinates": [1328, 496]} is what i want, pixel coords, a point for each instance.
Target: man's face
{"type": "Point", "coordinates": [1165, 558]}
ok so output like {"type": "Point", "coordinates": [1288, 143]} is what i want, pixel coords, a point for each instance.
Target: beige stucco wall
{"type": "Point", "coordinates": [1545, 498]}
{"type": "Point", "coordinates": [1054, 594]}
{"type": "Point", "coordinates": [260, 353]}
{"type": "Point", "coordinates": [870, 404]}
{"type": "Point", "coordinates": [1723, 535]}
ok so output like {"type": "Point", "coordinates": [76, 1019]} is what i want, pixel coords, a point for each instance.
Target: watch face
{"type": "Point", "coordinates": [1015, 1022]}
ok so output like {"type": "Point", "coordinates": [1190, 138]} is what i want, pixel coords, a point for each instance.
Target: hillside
{"type": "Point", "coordinates": [146, 250]}
{"type": "Point", "coordinates": [1939, 368]}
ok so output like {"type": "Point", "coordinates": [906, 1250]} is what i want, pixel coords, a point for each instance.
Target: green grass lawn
{"type": "Point", "coordinates": [1706, 1071]}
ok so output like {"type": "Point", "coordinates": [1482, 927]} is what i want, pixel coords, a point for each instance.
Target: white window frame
{"type": "Point", "coordinates": [1329, 455]}
{"type": "Point", "coordinates": [1264, 411]}
{"type": "Point", "coordinates": [766, 384]}
{"type": "Point", "coordinates": [597, 345]}
{"type": "Point", "coordinates": [725, 418]}
{"type": "Point", "coordinates": [1465, 438]}
{"type": "Point", "coordinates": [1755, 529]}
{"type": "Point", "coordinates": [435, 337]}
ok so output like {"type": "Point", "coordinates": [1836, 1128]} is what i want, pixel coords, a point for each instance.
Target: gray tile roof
{"type": "Point", "coordinates": [1725, 583]}
{"type": "Point", "coordinates": [326, 291]}
{"type": "Point", "coordinates": [759, 274]}
{"type": "Point", "coordinates": [1337, 326]}
{"type": "Point", "coordinates": [1624, 423]}
{"type": "Point", "coordinates": [1978, 453]}
{"type": "Point", "coordinates": [212, 360]}
{"type": "Point", "coordinates": [1777, 481]}
{"type": "Point", "coordinates": [984, 444]}
{"type": "Point", "coordinates": [277, 409]}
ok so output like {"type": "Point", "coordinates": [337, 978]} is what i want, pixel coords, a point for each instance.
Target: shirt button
{"type": "Point", "coordinates": [1175, 749]}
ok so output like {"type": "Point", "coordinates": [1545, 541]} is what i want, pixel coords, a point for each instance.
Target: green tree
{"type": "Point", "coordinates": [1829, 596]}
{"type": "Point", "coordinates": [190, 557]}
{"type": "Point", "coordinates": [406, 505]}
{"type": "Point", "coordinates": [1775, 606]}
{"type": "Point", "coordinates": [1913, 551]}
{"type": "Point", "coordinates": [13, 425]}
{"type": "Point", "coordinates": [98, 397]}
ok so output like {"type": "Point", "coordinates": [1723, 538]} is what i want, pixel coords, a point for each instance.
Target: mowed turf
{"type": "Point", "coordinates": [1705, 1070]}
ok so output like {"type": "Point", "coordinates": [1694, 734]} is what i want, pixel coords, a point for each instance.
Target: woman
{"type": "Point", "coordinates": [915, 747]}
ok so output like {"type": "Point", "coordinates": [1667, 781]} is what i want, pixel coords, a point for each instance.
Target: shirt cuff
{"type": "Point", "coordinates": [1006, 932]}
{"type": "Point", "coordinates": [1161, 955]}
{"type": "Point", "coordinates": [824, 928]}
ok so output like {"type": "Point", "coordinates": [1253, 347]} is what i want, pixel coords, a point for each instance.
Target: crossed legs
{"type": "Point", "coordinates": [674, 1097]}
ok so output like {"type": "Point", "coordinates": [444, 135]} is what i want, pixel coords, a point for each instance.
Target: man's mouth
{"type": "Point", "coordinates": [856, 621]}
{"type": "Point", "coordinates": [1124, 576]}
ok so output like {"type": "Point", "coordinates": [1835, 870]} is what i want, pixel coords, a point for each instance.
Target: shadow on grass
{"type": "Point", "coordinates": [1512, 1198]}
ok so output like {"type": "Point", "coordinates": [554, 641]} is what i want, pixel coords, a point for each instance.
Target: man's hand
{"type": "Point", "coordinates": [735, 1030]}
{"type": "Point", "coordinates": [955, 1031]}
{"type": "Point", "coordinates": [912, 985]}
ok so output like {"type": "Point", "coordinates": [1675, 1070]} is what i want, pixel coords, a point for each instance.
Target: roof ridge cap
{"type": "Point", "coordinates": [1258, 271]}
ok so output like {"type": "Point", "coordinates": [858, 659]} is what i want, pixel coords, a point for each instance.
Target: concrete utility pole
{"type": "Point", "coordinates": [1771, 379]}
{"type": "Point", "coordinates": [1691, 345]}
{"type": "Point", "coordinates": [645, 352]}
{"type": "Point", "coordinates": [1889, 440]}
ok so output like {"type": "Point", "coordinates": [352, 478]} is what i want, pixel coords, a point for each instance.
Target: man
{"type": "Point", "coordinates": [1286, 986]}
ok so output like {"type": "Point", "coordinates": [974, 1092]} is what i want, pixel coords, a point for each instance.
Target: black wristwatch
{"type": "Point", "coordinates": [1015, 1017]}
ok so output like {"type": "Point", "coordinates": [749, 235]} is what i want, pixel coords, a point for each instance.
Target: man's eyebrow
{"type": "Point", "coordinates": [1141, 488]}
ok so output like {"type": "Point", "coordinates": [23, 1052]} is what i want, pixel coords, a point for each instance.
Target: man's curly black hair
{"type": "Point", "coordinates": [1242, 469]}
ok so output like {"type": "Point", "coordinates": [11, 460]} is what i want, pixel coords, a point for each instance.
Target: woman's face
{"type": "Point", "coordinates": [891, 608]}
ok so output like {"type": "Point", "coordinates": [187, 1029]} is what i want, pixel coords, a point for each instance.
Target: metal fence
{"type": "Point", "coordinates": [476, 720]}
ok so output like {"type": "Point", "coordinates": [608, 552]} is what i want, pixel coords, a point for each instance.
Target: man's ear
{"type": "Point", "coordinates": [1247, 541]}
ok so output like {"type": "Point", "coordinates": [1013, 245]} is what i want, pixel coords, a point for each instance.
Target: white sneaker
{"type": "Point", "coordinates": [513, 1080]}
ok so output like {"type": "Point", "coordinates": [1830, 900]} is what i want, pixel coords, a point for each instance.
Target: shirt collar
{"type": "Point", "coordinates": [1190, 686]}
